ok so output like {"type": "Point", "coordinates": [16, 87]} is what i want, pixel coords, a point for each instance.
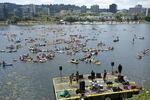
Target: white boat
{"type": "Point", "coordinates": [74, 61]}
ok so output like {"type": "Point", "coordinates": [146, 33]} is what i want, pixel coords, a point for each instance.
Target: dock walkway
{"type": "Point", "coordinates": [107, 91]}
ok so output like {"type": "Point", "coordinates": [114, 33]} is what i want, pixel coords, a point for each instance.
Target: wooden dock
{"type": "Point", "coordinates": [106, 92]}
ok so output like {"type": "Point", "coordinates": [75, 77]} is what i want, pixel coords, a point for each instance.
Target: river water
{"type": "Point", "coordinates": [33, 81]}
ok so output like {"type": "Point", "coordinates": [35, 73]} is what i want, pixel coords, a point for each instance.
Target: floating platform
{"type": "Point", "coordinates": [63, 83]}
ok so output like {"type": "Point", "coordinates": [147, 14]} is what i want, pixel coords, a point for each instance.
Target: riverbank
{"type": "Point", "coordinates": [25, 23]}
{"type": "Point", "coordinates": [108, 22]}
{"type": "Point", "coordinates": [35, 23]}
{"type": "Point", "coordinates": [3, 23]}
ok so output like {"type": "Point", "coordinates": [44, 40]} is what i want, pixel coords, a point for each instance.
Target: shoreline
{"type": "Point", "coordinates": [30, 23]}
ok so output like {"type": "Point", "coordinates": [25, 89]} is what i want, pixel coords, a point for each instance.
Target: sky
{"type": "Point", "coordinates": [122, 4]}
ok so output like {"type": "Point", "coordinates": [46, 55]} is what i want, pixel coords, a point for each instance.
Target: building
{"type": "Point", "coordinates": [95, 9]}
{"type": "Point", "coordinates": [27, 11]}
{"type": "Point", "coordinates": [147, 11]}
{"type": "Point", "coordinates": [10, 10]}
{"type": "Point", "coordinates": [17, 12]}
{"type": "Point", "coordinates": [45, 11]}
{"type": "Point", "coordinates": [113, 8]}
{"type": "Point", "coordinates": [138, 6]}
{"type": "Point", "coordinates": [32, 8]}
{"type": "Point", "coordinates": [136, 10]}
{"type": "Point", "coordinates": [83, 9]}
{"type": "Point", "coordinates": [76, 11]}
{"type": "Point", "coordinates": [124, 11]}
{"type": "Point", "coordinates": [103, 10]}
{"type": "Point", "coordinates": [2, 15]}
{"type": "Point", "coordinates": [64, 12]}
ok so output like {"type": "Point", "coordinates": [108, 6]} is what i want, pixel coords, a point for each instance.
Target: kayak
{"type": "Point", "coordinates": [97, 62]}
{"type": "Point", "coordinates": [8, 65]}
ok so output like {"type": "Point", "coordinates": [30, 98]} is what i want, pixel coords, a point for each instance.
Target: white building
{"type": "Point", "coordinates": [147, 11]}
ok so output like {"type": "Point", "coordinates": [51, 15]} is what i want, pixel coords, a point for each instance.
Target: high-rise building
{"type": "Point", "coordinates": [113, 8]}
{"type": "Point", "coordinates": [2, 15]}
{"type": "Point", "coordinates": [138, 6]}
{"type": "Point", "coordinates": [95, 9]}
{"type": "Point", "coordinates": [45, 10]}
{"type": "Point", "coordinates": [147, 11]}
{"type": "Point", "coordinates": [83, 9]}
{"type": "Point", "coordinates": [32, 8]}
{"type": "Point", "coordinates": [27, 11]}
{"type": "Point", "coordinates": [17, 12]}
{"type": "Point", "coordinates": [10, 9]}
{"type": "Point", "coordinates": [103, 10]}
{"type": "Point", "coordinates": [136, 10]}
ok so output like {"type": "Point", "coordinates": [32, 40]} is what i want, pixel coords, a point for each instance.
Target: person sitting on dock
{"type": "Point", "coordinates": [104, 75]}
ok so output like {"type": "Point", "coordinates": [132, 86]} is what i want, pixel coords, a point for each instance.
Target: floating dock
{"type": "Point", "coordinates": [63, 83]}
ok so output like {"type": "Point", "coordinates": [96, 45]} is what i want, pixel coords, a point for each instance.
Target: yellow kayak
{"type": "Point", "coordinates": [97, 62]}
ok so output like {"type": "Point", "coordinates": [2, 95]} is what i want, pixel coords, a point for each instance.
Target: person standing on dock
{"type": "Point", "coordinates": [92, 75]}
{"type": "Point", "coordinates": [77, 76]}
{"type": "Point", "coordinates": [120, 68]}
{"type": "Point", "coordinates": [112, 64]}
{"type": "Point", "coordinates": [70, 78]}
{"type": "Point", "coordinates": [104, 75]}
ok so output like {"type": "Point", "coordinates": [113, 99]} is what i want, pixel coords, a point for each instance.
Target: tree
{"type": "Point", "coordinates": [71, 19]}
{"type": "Point", "coordinates": [14, 19]}
{"type": "Point", "coordinates": [119, 16]}
{"type": "Point", "coordinates": [57, 19]}
{"type": "Point", "coordinates": [145, 95]}
{"type": "Point", "coordinates": [147, 18]}
{"type": "Point", "coordinates": [102, 19]}
{"type": "Point", "coordinates": [135, 18]}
